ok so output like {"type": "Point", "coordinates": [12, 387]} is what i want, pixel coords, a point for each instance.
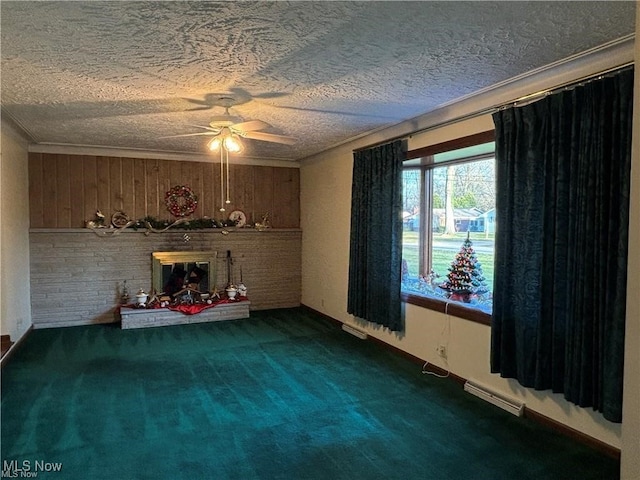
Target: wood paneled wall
{"type": "Point", "coordinates": [66, 190]}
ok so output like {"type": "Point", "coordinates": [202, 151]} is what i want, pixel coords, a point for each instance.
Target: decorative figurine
{"type": "Point", "coordinates": [242, 289]}
{"type": "Point", "coordinates": [232, 292]}
{"type": "Point", "coordinates": [124, 297]}
{"type": "Point", "coordinates": [215, 293]}
{"type": "Point", "coordinates": [264, 223]}
{"type": "Point", "coordinates": [141, 298]}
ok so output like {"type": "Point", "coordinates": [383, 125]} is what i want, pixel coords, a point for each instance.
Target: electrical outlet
{"type": "Point", "coordinates": [442, 351]}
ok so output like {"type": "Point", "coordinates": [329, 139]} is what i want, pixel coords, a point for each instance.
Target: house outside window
{"type": "Point", "coordinates": [449, 224]}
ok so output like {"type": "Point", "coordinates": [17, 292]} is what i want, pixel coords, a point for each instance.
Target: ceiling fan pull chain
{"type": "Point", "coordinates": [228, 201]}
{"type": "Point", "coordinates": [222, 179]}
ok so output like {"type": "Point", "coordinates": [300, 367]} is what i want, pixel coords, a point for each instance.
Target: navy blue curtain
{"type": "Point", "coordinates": [563, 178]}
{"type": "Point", "coordinates": [376, 236]}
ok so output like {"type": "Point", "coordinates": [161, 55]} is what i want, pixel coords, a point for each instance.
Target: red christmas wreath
{"type": "Point", "coordinates": [181, 201]}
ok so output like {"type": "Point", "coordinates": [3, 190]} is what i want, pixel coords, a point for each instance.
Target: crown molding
{"type": "Point", "coordinates": [66, 149]}
{"type": "Point", "coordinates": [577, 67]}
{"type": "Point", "coordinates": [572, 69]}
{"type": "Point", "coordinates": [13, 128]}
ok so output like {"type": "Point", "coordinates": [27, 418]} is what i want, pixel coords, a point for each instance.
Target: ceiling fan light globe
{"type": "Point", "coordinates": [232, 144]}
{"type": "Point", "coordinates": [215, 144]}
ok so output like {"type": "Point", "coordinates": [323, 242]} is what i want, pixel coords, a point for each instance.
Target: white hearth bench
{"type": "Point", "coordinates": [160, 317]}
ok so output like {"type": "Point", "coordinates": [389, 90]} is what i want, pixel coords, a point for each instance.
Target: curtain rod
{"type": "Point", "coordinates": [530, 98]}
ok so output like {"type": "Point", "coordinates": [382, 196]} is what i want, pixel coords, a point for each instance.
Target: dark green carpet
{"type": "Point", "coordinates": [284, 394]}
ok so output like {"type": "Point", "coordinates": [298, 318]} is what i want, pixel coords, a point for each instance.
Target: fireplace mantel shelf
{"type": "Point", "coordinates": [161, 317]}
{"type": "Point", "coordinates": [230, 230]}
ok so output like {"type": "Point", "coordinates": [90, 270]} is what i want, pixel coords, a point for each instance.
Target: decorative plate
{"type": "Point", "coordinates": [238, 217]}
{"type": "Point", "coordinates": [119, 219]}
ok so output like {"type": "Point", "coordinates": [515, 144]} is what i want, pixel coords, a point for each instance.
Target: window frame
{"type": "Point", "coordinates": [426, 168]}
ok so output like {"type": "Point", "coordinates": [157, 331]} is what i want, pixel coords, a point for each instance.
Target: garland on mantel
{"type": "Point", "coordinates": [120, 222]}
{"type": "Point", "coordinates": [181, 202]}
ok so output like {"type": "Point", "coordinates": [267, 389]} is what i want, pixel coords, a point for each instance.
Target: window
{"type": "Point", "coordinates": [449, 224]}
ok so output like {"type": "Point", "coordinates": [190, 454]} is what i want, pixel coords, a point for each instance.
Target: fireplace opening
{"type": "Point", "coordinates": [178, 275]}
{"type": "Point", "coordinates": [174, 270]}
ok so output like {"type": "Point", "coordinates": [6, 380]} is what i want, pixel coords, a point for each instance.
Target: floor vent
{"type": "Point", "coordinates": [511, 405]}
{"type": "Point", "coordinates": [362, 335]}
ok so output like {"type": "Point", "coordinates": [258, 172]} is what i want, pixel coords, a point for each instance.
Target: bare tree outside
{"type": "Point", "coordinates": [476, 180]}
{"type": "Point", "coordinates": [411, 191]}
{"type": "Point", "coordinates": [450, 225]}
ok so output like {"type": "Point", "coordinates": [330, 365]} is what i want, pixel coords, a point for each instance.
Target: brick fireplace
{"type": "Point", "coordinates": [77, 276]}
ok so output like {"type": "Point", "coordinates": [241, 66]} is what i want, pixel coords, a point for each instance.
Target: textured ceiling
{"type": "Point", "coordinates": [125, 74]}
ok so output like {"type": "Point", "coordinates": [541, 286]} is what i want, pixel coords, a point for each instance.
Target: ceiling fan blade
{"type": "Point", "coordinates": [211, 129]}
{"type": "Point", "coordinates": [250, 125]}
{"type": "Point", "coordinates": [190, 135]}
{"type": "Point", "coordinates": [269, 137]}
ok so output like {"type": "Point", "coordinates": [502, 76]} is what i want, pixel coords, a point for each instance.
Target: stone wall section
{"type": "Point", "coordinates": [77, 276]}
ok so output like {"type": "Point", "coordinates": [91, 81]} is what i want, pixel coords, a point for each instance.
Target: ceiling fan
{"type": "Point", "coordinates": [227, 130]}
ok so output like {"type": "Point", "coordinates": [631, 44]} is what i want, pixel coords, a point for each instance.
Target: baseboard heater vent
{"type": "Point", "coordinates": [362, 335]}
{"type": "Point", "coordinates": [511, 405]}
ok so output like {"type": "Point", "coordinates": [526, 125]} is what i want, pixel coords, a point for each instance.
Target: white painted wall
{"type": "Point", "coordinates": [325, 184]}
{"type": "Point", "coordinates": [15, 290]}
{"type": "Point", "coordinates": [630, 461]}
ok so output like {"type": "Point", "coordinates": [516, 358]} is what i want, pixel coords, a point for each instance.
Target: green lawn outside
{"type": "Point", "coordinates": [442, 258]}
